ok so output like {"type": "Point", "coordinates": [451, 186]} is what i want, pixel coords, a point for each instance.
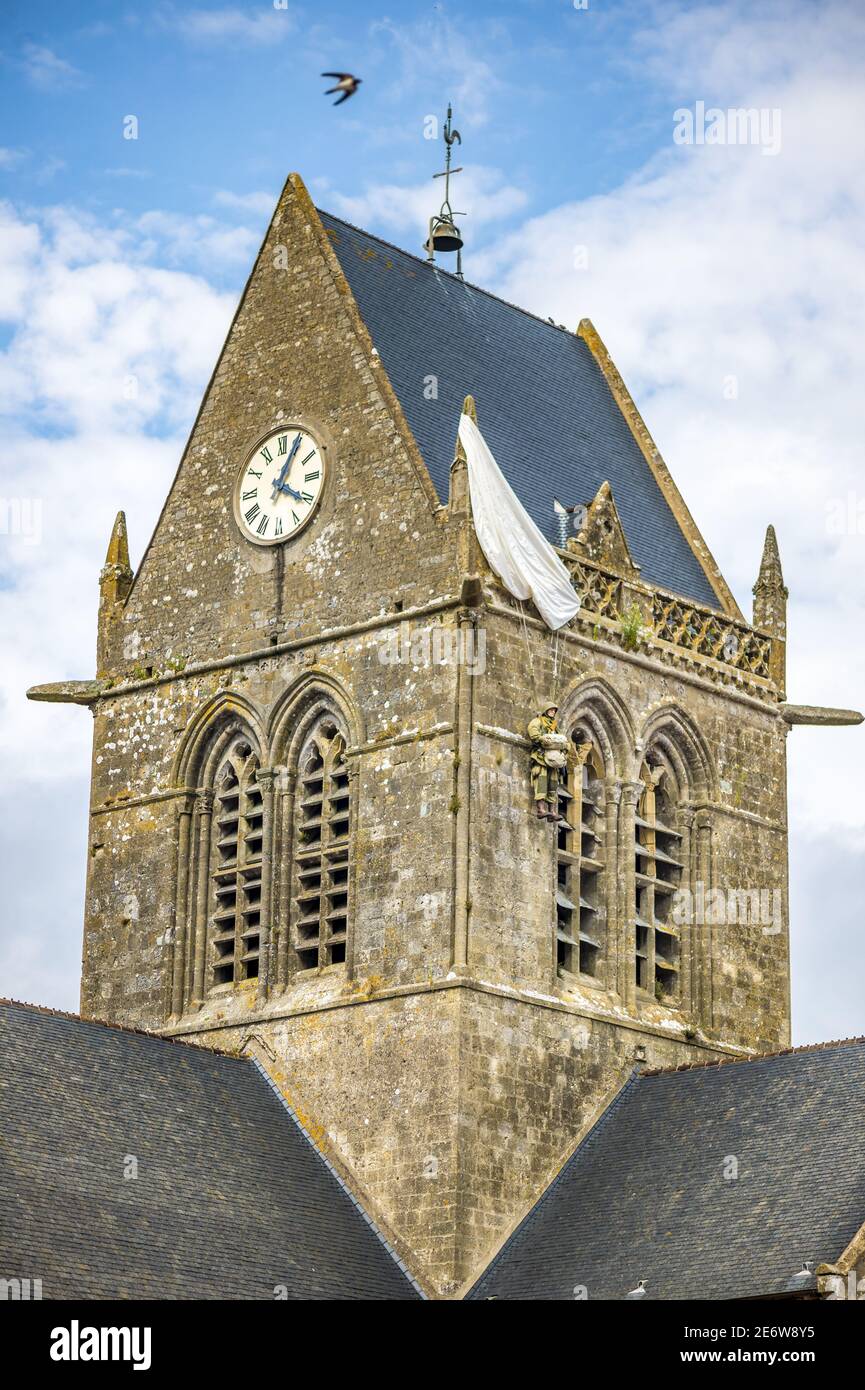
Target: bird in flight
{"type": "Point", "coordinates": [347, 84]}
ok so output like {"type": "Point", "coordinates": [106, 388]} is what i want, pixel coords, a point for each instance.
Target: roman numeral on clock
{"type": "Point", "coordinates": [290, 504]}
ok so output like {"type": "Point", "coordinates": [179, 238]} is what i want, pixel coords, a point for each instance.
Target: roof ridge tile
{"type": "Point", "coordinates": [754, 1057]}
{"type": "Point", "coordinates": [118, 1027]}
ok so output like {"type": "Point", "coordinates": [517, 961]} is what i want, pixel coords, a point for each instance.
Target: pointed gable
{"type": "Point", "coordinates": [601, 538]}
{"type": "Point", "coordinates": [549, 414]}
{"type": "Point", "coordinates": [298, 353]}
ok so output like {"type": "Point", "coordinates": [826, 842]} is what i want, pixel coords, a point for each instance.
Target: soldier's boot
{"type": "Point", "coordinates": [542, 808]}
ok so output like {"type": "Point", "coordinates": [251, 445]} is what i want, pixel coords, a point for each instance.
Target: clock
{"type": "Point", "coordinates": [279, 486]}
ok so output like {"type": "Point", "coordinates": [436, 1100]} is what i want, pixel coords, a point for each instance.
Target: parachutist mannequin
{"type": "Point", "coordinates": [546, 761]}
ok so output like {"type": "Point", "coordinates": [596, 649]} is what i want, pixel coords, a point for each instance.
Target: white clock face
{"type": "Point", "coordinates": [279, 486]}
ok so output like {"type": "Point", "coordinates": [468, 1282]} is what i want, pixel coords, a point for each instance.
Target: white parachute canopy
{"type": "Point", "coordinates": [522, 558]}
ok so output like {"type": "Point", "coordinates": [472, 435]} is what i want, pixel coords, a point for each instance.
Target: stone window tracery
{"type": "Point", "coordinates": [658, 872]}
{"type": "Point", "coordinates": [236, 867]}
{"type": "Point", "coordinates": [321, 870]}
{"type": "Point", "coordinates": [580, 861]}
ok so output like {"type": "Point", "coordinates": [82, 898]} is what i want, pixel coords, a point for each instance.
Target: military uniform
{"type": "Point", "coordinates": [545, 780]}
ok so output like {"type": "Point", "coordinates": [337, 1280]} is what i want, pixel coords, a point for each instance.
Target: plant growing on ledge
{"type": "Point", "coordinates": [631, 624]}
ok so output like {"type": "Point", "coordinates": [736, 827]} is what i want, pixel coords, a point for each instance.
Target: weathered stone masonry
{"type": "Point", "coordinates": [449, 1060]}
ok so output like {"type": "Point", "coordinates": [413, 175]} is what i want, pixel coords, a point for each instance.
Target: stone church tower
{"type": "Point", "coordinates": [312, 834]}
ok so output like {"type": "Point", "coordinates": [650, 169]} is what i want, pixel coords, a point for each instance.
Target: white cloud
{"type": "Point", "coordinates": [200, 241]}
{"type": "Point", "coordinates": [172, 239]}
{"type": "Point", "coordinates": [478, 191]}
{"type": "Point", "coordinates": [231, 25]}
{"type": "Point", "coordinates": [19, 248]}
{"type": "Point", "coordinates": [47, 168]}
{"type": "Point", "coordinates": [40, 940]}
{"type": "Point", "coordinates": [825, 884]}
{"type": "Point", "coordinates": [99, 381]}
{"type": "Point", "coordinates": [121, 173]}
{"type": "Point", "coordinates": [10, 159]}
{"type": "Point", "coordinates": [259, 203]}
{"type": "Point", "coordinates": [746, 48]}
{"type": "Point", "coordinates": [45, 70]}
{"type": "Point", "coordinates": [437, 54]}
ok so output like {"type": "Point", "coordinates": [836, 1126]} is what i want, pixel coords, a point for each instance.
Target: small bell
{"type": "Point", "coordinates": [444, 236]}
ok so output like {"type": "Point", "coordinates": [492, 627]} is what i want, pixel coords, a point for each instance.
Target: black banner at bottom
{"type": "Point", "coordinates": [151, 1338]}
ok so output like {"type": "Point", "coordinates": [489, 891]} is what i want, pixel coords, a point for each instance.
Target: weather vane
{"type": "Point", "coordinates": [444, 235]}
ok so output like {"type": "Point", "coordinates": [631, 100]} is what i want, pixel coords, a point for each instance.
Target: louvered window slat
{"type": "Point", "coordinates": [238, 828]}
{"type": "Point", "coordinates": [321, 870]}
{"type": "Point", "coordinates": [580, 865]}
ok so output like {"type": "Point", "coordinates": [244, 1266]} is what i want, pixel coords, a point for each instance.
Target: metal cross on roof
{"type": "Point", "coordinates": [444, 235]}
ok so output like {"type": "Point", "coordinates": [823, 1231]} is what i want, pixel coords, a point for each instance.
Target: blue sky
{"type": "Point", "coordinates": [232, 98]}
{"type": "Point", "coordinates": [727, 281]}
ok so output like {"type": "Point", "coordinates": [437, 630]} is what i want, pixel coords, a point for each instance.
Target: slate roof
{"type": "Point", "coordinates": [543, 405]}
{"type": "Point", "coordinates": [231, 1199]}
{"type": "Point", "coordinates": [644, 1196]}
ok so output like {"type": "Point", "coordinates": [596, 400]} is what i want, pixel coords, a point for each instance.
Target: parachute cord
{"type": "Point", "coordinates": [529, 656]}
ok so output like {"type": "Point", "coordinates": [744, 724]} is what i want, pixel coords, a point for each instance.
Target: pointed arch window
{"type": "Point", "coordinates": [236, 867]}
{"type": "Point", "coordinates": [581, 861]}
{"type": "Point", "coordinates": [658, 873]}
{"type": "Point", "coordinates": [320, 888]}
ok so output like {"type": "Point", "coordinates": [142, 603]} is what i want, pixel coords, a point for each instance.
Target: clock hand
{"type": "Point", "coordinates": [284, 487]}
{"type": "Point", "coordinates": [279, 484]}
